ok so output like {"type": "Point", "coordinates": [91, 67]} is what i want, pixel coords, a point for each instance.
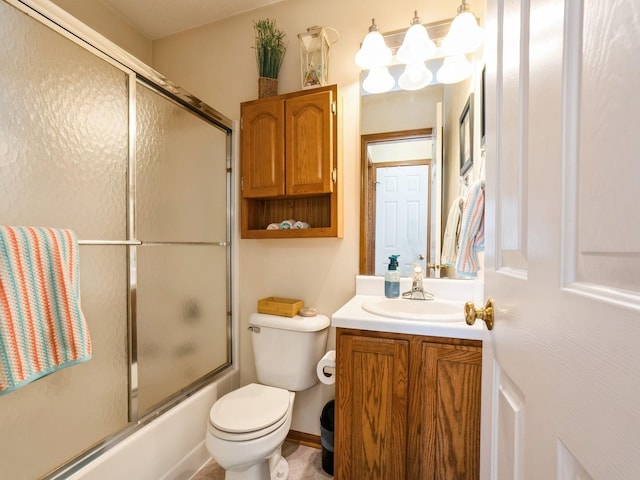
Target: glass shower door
{"type": "Point", "coordinates": [181, 219]}
{"type": "Point", "coordinates": [64, 134]}
{"type": "Point", "coordinates": [144, 183]}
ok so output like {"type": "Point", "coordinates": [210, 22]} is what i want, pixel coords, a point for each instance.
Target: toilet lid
{"type": "Point", "coordinates": [252, 407]}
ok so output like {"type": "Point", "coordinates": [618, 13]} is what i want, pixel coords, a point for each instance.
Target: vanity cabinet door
{"type": "Point", "coordinates": [371, 413]}
{"type": "Point", "coordinates": [407, 407]}
{"type": "Point", "coordinates": [309, 144]}
{"type": "Point", "coordinates": [262, 153]}
{"type": "Point", "coordinates": [445, 401]}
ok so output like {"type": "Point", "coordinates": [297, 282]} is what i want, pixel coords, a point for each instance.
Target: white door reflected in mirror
{"type": "Point", "coordinates": [402, 216]}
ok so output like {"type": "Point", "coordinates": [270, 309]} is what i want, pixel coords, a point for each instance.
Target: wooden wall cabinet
{"type": "Point", "coordinates": [407, 407]}
{"type": "Point", "coordinates": [290, 164]}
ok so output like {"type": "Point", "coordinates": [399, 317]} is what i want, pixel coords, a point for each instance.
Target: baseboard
{"type": "Point", "coordinates": [306, 439]}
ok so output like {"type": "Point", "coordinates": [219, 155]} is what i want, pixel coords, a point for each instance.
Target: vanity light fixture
{"type": "Point", "coordinates": [373, 52]}
{"type": "Point", "coordinates": [378, 80]}
{"type": "Point", "coordinates": [374, 55]}
{"type": "Point", "coordinates": [415, 76]}
{"type": "Point", "coordinates": [416, 46]}
{"type": "Point", "coordinates": [465, 36]}
{"type": "Point", "coordinates": [454, 69]}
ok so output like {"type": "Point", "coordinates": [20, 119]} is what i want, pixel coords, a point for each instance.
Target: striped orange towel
{"type": "Point", "coordinates": [42, 328]}
{"type": "Point", "coordinates": [471, 231]}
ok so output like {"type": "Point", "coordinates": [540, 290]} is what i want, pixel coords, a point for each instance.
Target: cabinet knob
{"type": "Point", "coordinates": [471, 312]}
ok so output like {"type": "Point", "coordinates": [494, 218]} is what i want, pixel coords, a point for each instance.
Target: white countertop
{"type": "Point", "coordinates": [351, 314]}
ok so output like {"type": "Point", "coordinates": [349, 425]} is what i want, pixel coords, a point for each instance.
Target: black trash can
{"type": "Point", "coordinates": [326, 436]}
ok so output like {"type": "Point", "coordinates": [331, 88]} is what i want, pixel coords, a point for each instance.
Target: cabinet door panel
{"type": "Point", "coordinates": [371, 416]}
{"type": "Point", "coordinates": [447, 404]}
{"type": "Point", "coordinates": [309, 144]}
{"type": "Point", "coordinates": [262, 150]}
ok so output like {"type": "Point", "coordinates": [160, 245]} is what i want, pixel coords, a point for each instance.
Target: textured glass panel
{"type": "Point", "coordinates": [63, 161]}
{"type": "Point", "coordinates": [63, 132]}
{"type": "Point", "coordinates": [45, 423]}
{"type": "Point", "coordinates": [181, 173]}
{"type": "Point", "coordinates": [182, 318]}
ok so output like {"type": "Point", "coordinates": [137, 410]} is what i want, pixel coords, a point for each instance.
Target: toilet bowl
{"type": "Point", "coordinates": [248, 426]}
{"type": "Point", "coordinates": [246, 430]}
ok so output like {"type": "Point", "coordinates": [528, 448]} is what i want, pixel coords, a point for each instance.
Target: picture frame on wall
{"type": "Point", "coordinates": [482, 108]}
{"type": "Point", "coordinates": [466, 136]}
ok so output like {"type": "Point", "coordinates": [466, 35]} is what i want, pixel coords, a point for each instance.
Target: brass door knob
{"type": "Point", "coordinates": [471, 312]}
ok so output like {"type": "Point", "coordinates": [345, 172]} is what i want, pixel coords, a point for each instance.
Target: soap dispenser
{"type": "Point", "coordinates": [392, 278]}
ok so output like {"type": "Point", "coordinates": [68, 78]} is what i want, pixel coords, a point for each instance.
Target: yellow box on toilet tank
{"type": "Point", "coordinates": [285, 307]}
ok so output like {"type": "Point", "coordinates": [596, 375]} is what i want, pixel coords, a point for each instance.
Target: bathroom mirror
{"type": "Point", "coordinates": [390, 122]}
{"type": "Point", "coordinates": [401, 165]}
{"type": "Point", "coordinates": [396, 199]}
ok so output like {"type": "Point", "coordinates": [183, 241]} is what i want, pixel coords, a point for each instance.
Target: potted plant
{"type": "Point", "coordinates": [270, 50]}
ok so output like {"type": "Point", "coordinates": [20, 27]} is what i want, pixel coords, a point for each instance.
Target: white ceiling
{"type": "Point", "coordinates": [159, 18]}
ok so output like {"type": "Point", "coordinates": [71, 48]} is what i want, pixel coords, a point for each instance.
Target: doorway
{"type": "Point", "coordinates": [396, 200]}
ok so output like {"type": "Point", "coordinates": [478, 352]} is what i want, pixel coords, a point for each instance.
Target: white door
{"type": "Point", "coordinates": [562, 240]}
{"type": "Point", "coordinates": [402, 216]}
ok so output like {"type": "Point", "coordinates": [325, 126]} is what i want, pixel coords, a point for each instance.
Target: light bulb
{"type": "Point", "coordinates": [464, 35]}
{"type": "Point", "coordinates": [454, 69]}
{"type": "Point", "coordinates": [373, 52]}
{"type": "Point", "coordinates": [416, 46]}
{"type": "Point", "coordinates": [415, 76]}
{"type": "Point", "coordinates": [378, 80]}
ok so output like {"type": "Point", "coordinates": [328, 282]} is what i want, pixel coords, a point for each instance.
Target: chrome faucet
{"type": "Point", "coordinates": [417, 291]}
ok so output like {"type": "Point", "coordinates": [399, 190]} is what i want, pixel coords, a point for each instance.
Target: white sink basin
{"type": "Point", "coordinates": [427, 310]}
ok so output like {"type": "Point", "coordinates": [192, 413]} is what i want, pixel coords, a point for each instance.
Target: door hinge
{"type": "Point", "coordinates": [334, 107]}
{"type": "Point", "coordinates": [241, 123]}
{"type": "Point", "coordinates": [242, 184]}
{"type": "Point", "coordinates": [334, 175]}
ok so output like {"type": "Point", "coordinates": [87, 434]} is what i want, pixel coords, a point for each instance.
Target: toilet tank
{"type": "Point", "coordinates": [286, 350]}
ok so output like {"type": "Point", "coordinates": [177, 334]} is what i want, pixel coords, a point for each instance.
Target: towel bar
{"type": "Point", "coordinates": [109, 242]}
{"type": "Point", "coordinates": [138, 242]}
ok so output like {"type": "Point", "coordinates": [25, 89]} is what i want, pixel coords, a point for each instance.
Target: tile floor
{"type": "Point", "coordinates": [305, 463]}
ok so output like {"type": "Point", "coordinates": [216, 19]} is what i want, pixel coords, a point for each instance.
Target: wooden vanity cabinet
{"type": "Point", "coordinates": [290, 165]}
{"type": "Point", "coordinates": [407, 407]}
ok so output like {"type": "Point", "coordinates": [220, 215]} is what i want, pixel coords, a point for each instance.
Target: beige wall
{"type": "Point", "coordinates": [109, 24]}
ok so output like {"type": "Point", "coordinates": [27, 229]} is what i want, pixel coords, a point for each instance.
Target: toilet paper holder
{"type": "Point", "coordinates": [326, 368]}
{"type": "Point", "coordinates": [328, 371]}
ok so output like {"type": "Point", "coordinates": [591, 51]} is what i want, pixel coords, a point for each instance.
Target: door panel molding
{"type": "Point", "coordinates": [510, 420]}
{"type": "Point", "coordinates": [513, 107]}
{"type": "Point", "coordinates": [596, 263]}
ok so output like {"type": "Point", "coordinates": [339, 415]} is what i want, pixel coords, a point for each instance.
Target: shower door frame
{"type": "Point", "coordinates": [60, 21]}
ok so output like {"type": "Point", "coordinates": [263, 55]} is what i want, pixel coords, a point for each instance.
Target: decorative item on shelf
{"type": "Point", "coordinates": [419, 53]}
{"type": "Point", "coordinates": [270, 49]}
{"type": "Point", "coordinates": [314, 56]}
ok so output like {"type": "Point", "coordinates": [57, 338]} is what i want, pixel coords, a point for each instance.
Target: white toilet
{"type": "Point", "coordinates": [248, 426]}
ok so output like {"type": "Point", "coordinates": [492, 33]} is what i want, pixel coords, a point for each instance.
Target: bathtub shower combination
{"type": "Point", "coordinates": [92, 140]}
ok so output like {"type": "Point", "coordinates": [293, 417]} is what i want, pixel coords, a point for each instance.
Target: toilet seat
{"type": "Point", "coordinates": [249, 412]}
